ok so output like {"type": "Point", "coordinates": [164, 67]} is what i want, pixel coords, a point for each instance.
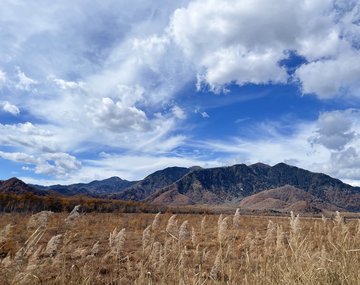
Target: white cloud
{"type": "Point", "coordinates": [2, 78]}
{"type": "Point", "coordinates": [178, 112]}
{"type": "Point", "coordinates": [63, 160]}
{"type": "Point", "coordinates": [244, 41]}
{"type": "Point", "coordinates": [57, 164]}
{"type": "Point", "coordinates": [242, 67]}
{"type": "Point", "coordinates": [19, 157]}
{"type": "Point", "coordinates": [31, 137]}
{"type": "Point", "coordinates": [332, 77]}
{"type": "Point", "coordinates": [10, 108]}
{"type": "Point", "coordinates": [335, 129]}
{"type": "Point", "coordinates": [24, 82]}
{"type": "Point", "coordinates": [67, 85]}
{"type": "Point", "coordinates": [148, 51]}
{"type": "Point", "coordinates": [117, 117]}
{"type": "Point", "coordinates": [234, 41]}
{"type": "Point", "coordinates": [203, 114]}
{"type": "Point", "coordinates": [40, 149]}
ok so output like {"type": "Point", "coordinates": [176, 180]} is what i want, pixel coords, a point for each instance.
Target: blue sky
{"type": "Point", "coordinates": [93, 89]}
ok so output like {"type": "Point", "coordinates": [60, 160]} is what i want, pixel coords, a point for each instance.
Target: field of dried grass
{"type": "Point", "coordinates": [49, 248]}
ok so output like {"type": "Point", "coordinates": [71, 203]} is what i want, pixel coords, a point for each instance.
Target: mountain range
{"type": "Point", "coordinates": [95, 188]}
{"type": "Point", "coordinates": [255, 187]}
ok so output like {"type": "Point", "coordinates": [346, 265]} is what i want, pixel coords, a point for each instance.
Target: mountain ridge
{"type": "Point", "coordinates": [234, 183]}
{"type": "Point", "coordinates": [227, 185]}
{"type": "Point", "coordinates": [94, 188]}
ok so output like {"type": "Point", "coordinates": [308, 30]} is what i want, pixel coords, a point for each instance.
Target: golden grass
{"type": "Point", "coordinates": [183, 249]}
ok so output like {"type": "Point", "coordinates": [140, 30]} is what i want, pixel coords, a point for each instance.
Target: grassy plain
{"type": "Point", "coordinates": [94, 248]}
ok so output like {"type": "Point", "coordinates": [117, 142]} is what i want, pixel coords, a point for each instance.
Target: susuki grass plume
{"type": "Point", "coordinates": [53, 245]}
{"type": "Point", "coordinates": [236, 219]}
{"type": "Point", "coordinates": [156, 222]}
{"type": "Point", "coordinates": [222, 230]}
{"type": "Point", "coordinates": [194, 238]}
{"type": "Point", "coordinates": [116, 242]}
{"type": "Point", "coordinates": [74, 214]}
{"type": "Point", "coordinates": [184, 232]}
{"type": "Point", "coordinates": [146, 237]}
{"type": "Point", "coordinates": [295, 223]}
{"type": "Point", "coordinates": [5, 233]}
{"type": "Point", "coordinates": [203, 225]}
{"type": "Point", "coordinates": [40, 219]}
{"type": "Point", "coordinates": [172, 227]}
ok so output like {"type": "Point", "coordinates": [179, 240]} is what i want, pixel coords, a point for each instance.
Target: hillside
{"type": "Point", "coordinates": [150, 184]}
{"type": "Point", "coordinates": [16, 186]}
{"type": "Point", "coordinates": [285, 199]}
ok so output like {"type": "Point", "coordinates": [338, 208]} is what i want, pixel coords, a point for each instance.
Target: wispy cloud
{"type": "Point", "coordinates": [80, 77]}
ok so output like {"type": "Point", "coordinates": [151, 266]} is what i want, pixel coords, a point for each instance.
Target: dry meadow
{"type": "Point", "coordinates": [94, 248]}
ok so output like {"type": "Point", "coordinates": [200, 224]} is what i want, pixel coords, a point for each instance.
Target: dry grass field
{"type": "Point", "coordinates": [49, 248]}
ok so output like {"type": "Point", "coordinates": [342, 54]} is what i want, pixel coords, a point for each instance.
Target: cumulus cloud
{"type": "Point", "coordinates": [332, 77]}
{"type": "Point", "coordinates": [243, 42]}
{"type": "Point", "coordinates": [19, 157]}
{"type": "Point", "coordinates": [29, 136]}
{"type": "Point", "coordinates": [58, 164]}
{"type": "Point", "coordinates": [233, 42]}
{"type": "Point", "coordinates": [40, 149]}
{"type": "Point", "coordinates": [118, 117]}
{"type": "Point", "coordinates": [10, 108]}
{"type": "Point", "coordinates": [335, 129]}
{"type": "Point", "coordinates": [347, 159]}
{"type": "Point", "coordinates": [32, 138]}
{"type": "Point", "coordinates": [346, 164]}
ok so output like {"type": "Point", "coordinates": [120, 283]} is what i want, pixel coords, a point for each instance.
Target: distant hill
{"type": "Point", "coordinates": [16, 186]}
{"type": "Point", "coordinates": [94, 188]}
{"type": "Point", "coordinates": [17, 196]}
{"type": "Point", "coordinates": [230, 185]}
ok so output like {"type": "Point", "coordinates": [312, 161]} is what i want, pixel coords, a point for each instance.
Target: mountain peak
{"type": "Point", "coordinates": [283, 164]}
{"type": "Point", "coordinates": [151, 183]}
{"type": "Point", "coordinates": [17, 186]}
{"type": "Point", "coordinates": [260, 165]}
{"type": "Point", "coordinates": [195, 167]}
{"type": "Point", "coordinates": [114, 178]}
{"type": "Point", "coordinates": [13, 181]}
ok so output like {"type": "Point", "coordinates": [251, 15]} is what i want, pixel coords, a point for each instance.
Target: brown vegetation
{"type": "Point", "coordinates": [29, 202]}
{"type": "Point", "coordinates": [285, 199]}
{"type": "Point", "coordinates": [50, 248]}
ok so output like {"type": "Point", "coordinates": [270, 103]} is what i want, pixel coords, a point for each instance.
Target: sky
{"type": "Point", "coordinates": [96, 88]}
